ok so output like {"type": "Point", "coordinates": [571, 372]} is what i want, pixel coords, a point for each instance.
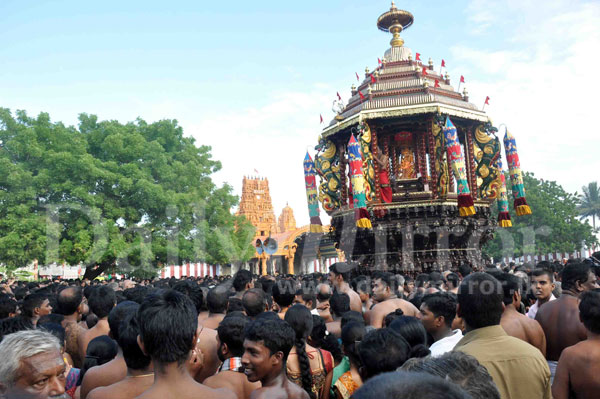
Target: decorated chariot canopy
{"type": "Point", "coordinates": [427, 162]}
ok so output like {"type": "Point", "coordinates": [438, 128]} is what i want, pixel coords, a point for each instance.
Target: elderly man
{"type": "Point", "coordinates": [31, 366]}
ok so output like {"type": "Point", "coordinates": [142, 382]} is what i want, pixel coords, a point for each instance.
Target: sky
{"type": "Point", "coordinates": [250, 79]}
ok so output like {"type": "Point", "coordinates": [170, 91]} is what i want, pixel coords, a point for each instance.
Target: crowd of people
{"type": "Point", "coordinates": [511, 332]}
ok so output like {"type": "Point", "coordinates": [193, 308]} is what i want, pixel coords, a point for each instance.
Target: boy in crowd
{"type": "Point", "coordinates": [267, 344]}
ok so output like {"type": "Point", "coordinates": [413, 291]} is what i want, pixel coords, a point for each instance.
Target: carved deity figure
{"type": "Point", "coordinates": [407, 164]}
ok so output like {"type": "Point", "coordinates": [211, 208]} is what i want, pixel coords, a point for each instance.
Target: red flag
{"type": "Point", "coordinates": [373, 80]}
{"type": "Point", "coordinates": [321, 118]}
{"type": "Point", "coordinates": [437, 83]}
{"type": "Point", "coordinates": [462, 79]}
{"type": "Point", "coordinates": [487, 100]}
{"type": "Point", "coordinates": [424, 71]}
{"type": "Point", "coordinates": [378, 61]}
{"type": "Point", "coordinates": [418, 57]}
{"type": "Point", "coordinates": [357, 78]}
{"type": "Point", "coordinates": [361, 96]}
{"type": "Point", "coordinates": [339, 97]}
{"type": "Point", "coordinates": [443, 63]}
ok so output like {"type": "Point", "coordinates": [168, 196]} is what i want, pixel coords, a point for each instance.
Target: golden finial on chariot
{"type": "Point", "coordinates": [395, 21]}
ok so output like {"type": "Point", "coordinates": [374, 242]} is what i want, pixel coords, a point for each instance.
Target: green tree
{"type": "Point", "coordinates": [589, 202]}
{"type": "Point", "coordinates": [127, 197]}
{"type": "Point", "coordinates": [552, 227]}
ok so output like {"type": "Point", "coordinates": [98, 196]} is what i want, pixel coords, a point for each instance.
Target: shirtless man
{"type": "Point", "coordinates": [579, 365]}
{"type": "Point", "coordinates": [560, 318]}
{"type": "Point", "coordinates": [339, 276]}
{"type": "Point", "coordinates": [101, 302]}
{"type": "Point", "coordinates": [115, 370]}
{"type": "Point", "coordinates": [168, 334]}
{"type": "Point", "coordinates": [362, 286]}
{"type": "Point", "coordinates": [284, 293]}
{"type": "Point", "coordinates": [230, 341]}
{"type": "Point", "coordinates": [254, 302]}
{"type": "Point", "coordinates": [70, 304]}
{"type": "Point", "coordinates": [339, 304]}
{"type": "Point", "coordinates": [207, 345]}
{"type": "Point", "coordinates": [387, 301]}
{"type": "Point", "coordinates": [267, 344]}
{"type": "Point", "coordinates": [323, 296]}
{"type": "Point", "coordinates": [140, 373]}
{"type": "Point", "coordinates": [242, 282]}
{"type": "Point", "coordinates": [514, 323]}
{"type": "Point", "coordinates": [216, 301]}
{"type": "Point", "coordinates": [35, 306]}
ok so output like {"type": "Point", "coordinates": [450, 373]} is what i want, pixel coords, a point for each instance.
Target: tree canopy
{"type": "Point", "coordinates": [131, 196]}
{"type": "Point", "coordinates": [589, 202]}
{"type": "Point", "coordinates": [552, 227]}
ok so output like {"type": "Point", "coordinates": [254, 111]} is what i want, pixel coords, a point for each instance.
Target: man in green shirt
{"type": "Point", "coordinates": [518, 368]}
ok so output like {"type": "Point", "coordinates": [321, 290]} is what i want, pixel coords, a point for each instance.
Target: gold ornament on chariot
{"type": "Point", "coordinates": [484, 171]}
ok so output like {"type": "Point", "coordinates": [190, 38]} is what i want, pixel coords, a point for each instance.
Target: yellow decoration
{"type": "Point", "coordinates": [364, 223]}
{"type": "Point", "coordinates": [466, 211]}
{"type": "Point", "coordinates": [368, 169]}
{"type": "Point", "coordinates": [505, 223]}
{"type": "Point", "coordinates": [441, 165]}
{"type": "Point", "coordinates": [484, 171]}
{"type": "Point", "coordinates": [315, 228]}
{"type": "Point", "coordinates": [523, 210]}
{"type": "Point", "coordinates": [326, 164]}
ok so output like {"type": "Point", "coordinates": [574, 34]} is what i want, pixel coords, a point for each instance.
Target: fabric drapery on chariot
{"type": "Point", "coordinates": [516, 177]}
{"type": "Point", "coordinates": [359, 199]}
{"type": "Point", "coordinates": [456, 159]}
{"type": "Point", "coordinates": [503, 215]}
{"type": "Point", "coordinates": [312, 196]}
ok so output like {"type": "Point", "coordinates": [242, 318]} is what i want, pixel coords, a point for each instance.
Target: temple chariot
{"type": "Point", "coordinates": [409, 168]}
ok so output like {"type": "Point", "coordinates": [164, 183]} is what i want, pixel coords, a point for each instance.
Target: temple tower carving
{"type": "Point", "coordinates": [287, 222]}
{"type": "Point", "coordinates": [257, 207]}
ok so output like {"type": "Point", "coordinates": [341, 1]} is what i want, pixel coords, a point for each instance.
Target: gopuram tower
{"type": "Point", "coordinates": [257, 207]}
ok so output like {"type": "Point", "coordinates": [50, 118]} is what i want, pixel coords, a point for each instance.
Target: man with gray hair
{"type": "Point", "coordinates": [460, 368]}
{"type": "Point", "coordinates": [31, 366]}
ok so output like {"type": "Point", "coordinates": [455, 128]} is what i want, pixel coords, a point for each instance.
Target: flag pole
{"type": "Point", "coordinates": [487, 99]}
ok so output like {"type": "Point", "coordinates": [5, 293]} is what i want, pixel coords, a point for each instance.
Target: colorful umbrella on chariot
{"type": "Point", "coordinates": [456, 159]}
{"type": "Point", "coordinates": [312, 196]}
{"type": "Point", "coordinates": [503, 215]}
{"type": "Point", "coordinates": [361, 215]}
{"type": "Point", "coordinates": [516, 177]}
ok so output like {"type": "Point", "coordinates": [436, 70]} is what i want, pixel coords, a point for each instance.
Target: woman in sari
{"type": "Point", "coordinates": [307, 366]}
{"type": "Point", "coordinates": [350, 381]}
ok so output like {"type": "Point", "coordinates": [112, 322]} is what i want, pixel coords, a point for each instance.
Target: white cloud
{"type": "Point", "coordinates": [543, 85]}
{"type": "Point", "coordinates": [272, 138]}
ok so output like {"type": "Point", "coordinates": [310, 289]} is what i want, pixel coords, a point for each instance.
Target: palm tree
{"type": "Point", "coordinates": [589, 202]}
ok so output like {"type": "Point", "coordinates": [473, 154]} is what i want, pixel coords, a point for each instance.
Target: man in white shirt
{"type": "Point", "coordinates": [542, 284]}
{"type": "Point", "coordinates": [437, 313]}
